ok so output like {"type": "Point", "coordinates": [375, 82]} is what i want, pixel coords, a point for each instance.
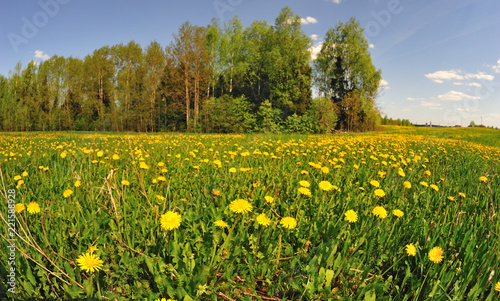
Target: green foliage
{"type": "Point", "coordinates": [228, 115]}
{"type": "Point", "coordinates": [269, 118]}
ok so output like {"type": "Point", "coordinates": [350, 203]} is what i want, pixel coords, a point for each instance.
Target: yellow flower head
{"type": "Point", "coordinates": [215, 192]}
{"type": "Point", "coordinates": [451, 198]}
{"type": "Point", "coordinates": [19, 207]}
{"type": "Point", "coordinates": [269, 199]}
{"type": "Point", "coordinates": [325, 185]}
{"type": "Point", "coordinates": [304, 172]}
{"type": "Point", "coordinates": [401, 172]}
{"type": "Point", "coordinates": [375, 183]}
{"type": "Point", "coordinates": [89, 262]}
{"type": "Point", "coordinates": [240, 206]}
{"type": "Point", "coordinates": [427, 172]}
{"type": "Point", "coordinates": [325, 169]}
{"type": "Point", "coordinates": [67, 193]}
{"type": "Point", "coordinates": [436, 255]}
{"type": "Point", "coordinates": [17, 178]}
{"type": "Point", "coordinates": [288, 222]}
{"type": "Point", "coordinates": [423, 183]}
{"type": "Point", "coordinates": [304, 191]}
{"type": "Point", "coordinates": [461, 194]}
{"type": "Point", "coordinates": [483, 179]}
{"type": "Point", "coordinates": [304, 184]}
{"type": "Point", "coordinates": [24, 174]}
{"type": "Point", "coordinates": [351, 216]}
{"type": "Point", "coordinates": [232, 170]}
{"type": "Point", "coordinates": [379, 193]}
{"type": "Point", "coordinates": [78, 184]}
{"type": "Point", "coordinates": [398, 213]}
{"type": "Point", "coordinates": [221, 224]}
{"type": "Point", "coordinates": [33, 208]}
{"type": "Point", "coordinates": [100, 153]}
{"type": "Point", "coordinates": [411, 250]}
{"type": "Point", "coordinates": [407, 184]}
{"type": "Point", "coordinates": [115, 157]}
{"type": "Point", "coordinates": [170, 220]}
{"type": "Point", "coordinates": [434, 187]}
{"type": "Point", "coordinates": [263, 220]}
{"type": "Point", "coordinates": [380, 212]}
{"type": "Point", "coordinates": [92, 249]}
{"type": "Point", "coordinates": [497, 286]}
{"type": "Point", "coordinates": [125, 183]}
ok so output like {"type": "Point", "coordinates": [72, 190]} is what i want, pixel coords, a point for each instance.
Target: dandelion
{"type": "Point", "coordinates": [89, 262]}
{"type": "Point", "coordinates": [215, 192]}
{"type": "Point", "coordinates": [220, 224]}
{"type": "Point", "coordinates": [232, 170]}
{"type": "Point", "coordinates": [304, 184]}
{"type": "Point", "coordinates": [143, 165]}
{"type": "Point", "coordinates": [451, 198]}
{"type": "Point", "coordinates": [19, 207]}
{"type": "Point", "coordinates": [304, 191]}
{"type": "Point", "coordinates": [379, 193]}
{"type": "Point", "coordinates": [407, 184]}
{"type": "Point", "coordinates": [288, 222]}
{"type": "Point", "coordinates": [263, 220]}
{"type": "Point", "coordinates": [92, 249]}
{"type": "Point", "coordinates": [125, 183]}
{"type": "Point", "coordinates": [325, 185]}
{"type": "Point", "coordinates": [161, 198]}
{"type": "Point", "coordinates": [67, 193]}
{"type": "Point", "coordinates": [24, 174]}
{"type": "Point", "coordinates": [161, 178]}
{"type": "Point", "coordinates": [161, 164]}
{"type": "Point", "coordinates": [434, 187]}
{"type": "Point", "coordinates": [380, 212]}
{"type": "Point", "coordinates": [351, 216]}
{"type": "Point", "coordinates": [63, 155]}
{"type": "Point", "coordinates": [170, 220]}
{"type": "Point", "coordinates": [398, 213]}
{"type": "Point", "coordinates": [269, 199]}
{"type": "Point", "coordinates": [497, 286]}
{"type": "Point", "coordinates": [375, 183]}
{"type": "Point", "coordinates": [461, 194]}
{"type": "Point", "coordinates": [115, 157]}
{"type": "Point", "coordinates": [325, 169]}
{"type": "Point", "coordinates": [304, 172]}
{"type": "Point", "coordinates": [33, 208]}
{"type": "Point", "coordinates": [17, 178]}
{"type": "Point", "coordinates": [436, 255]}
{"type": "Point", "coordinates": [240, 206]}
{"type": "Point", "coordinates": [423, 183]}
{"type": "Point", "coordinates": [401, 172]}
{"type": "Point", "coordinates": [483, 179]}
{"type": "Point", "coordinates": [78, 184]}
{"type": "Point", "coordinates": [411, 250]}
{"type": "Point", "coordinates": [100, 153]}
{"type": "Point", "coordinates": [427, 172]}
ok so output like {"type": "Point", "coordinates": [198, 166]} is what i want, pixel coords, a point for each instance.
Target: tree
{"type": "Point", "coordinates": [343, 66]}
{"type": "Point", "coordinates": [154, 67]}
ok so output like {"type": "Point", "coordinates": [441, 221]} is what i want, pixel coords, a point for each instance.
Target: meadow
{"type": "Point", "coordinates": [400, 214]}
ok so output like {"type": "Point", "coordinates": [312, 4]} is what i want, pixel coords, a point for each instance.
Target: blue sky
{"type": "Point", "coordinates": [440, 59]}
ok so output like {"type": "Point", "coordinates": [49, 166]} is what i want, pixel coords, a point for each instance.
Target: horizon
{"type": "Point", "coordinates": [449, 47]}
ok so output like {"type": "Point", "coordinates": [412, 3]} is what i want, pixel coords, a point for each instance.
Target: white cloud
{"type": "Point", "coordinates": [308, 20]}
{"type": "Point", "coordinates": [411, 98]}
{"type": "Point", "coordinates": [497, 67]}
{"type": "Point", "coordinates": [384, 84]}
{"type": "Point", "coordinates": [40, 55]}
{"type": "Point", "coordinates": [480, 75]}
{"type": "Point", "coordinates": [315, 49]}
{"type": "Point", "coordinates": [457, 96]}
{"type": "Point", "coordinates": [468, 84]}
{"type": "Point", "coordinates": [439, 76]}
{"type": "Point", "coordinates": [314, 37]}
{"type": "Point", "coordinates": [371, 46]}
{"type": "Point", "coordinates": [442, 75]}
{"type": "Point", "coordinates": [430, 104]}
{"type": "Point", "coordinates": [336, 1]}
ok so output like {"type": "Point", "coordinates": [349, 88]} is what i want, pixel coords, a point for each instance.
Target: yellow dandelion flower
{"type": "Point", "coordinates": [304, 191]}
{"type": "Point", "coordinates": [125, 183]}
{"type": "Point", "coordinates": [161, 164]}
{"type": "Point", "coordinates": [434, 187]}
{"type": "Point", "coordinates": [17, 178]}
{"type": "Point", "coordinates": [100, 153]}
{"type": "Point", "coordinates": [24, 174]}
{"type": "Point", "coordinates": [215, 192]}
{"type": "Point", "coordinates": [380, 212]}
{"type": "Point", "coordinates": [325, 185]}
{"type": "Point", "coordinates": [461, 194]}
{"type": "Point", "coordinates": [304, 184]}
{"type": "Point", "coordinates": [220, 224]}
{"type": "Point", "coordinates": [401, 172]}
{"type": "Point", "coordinates": [398, 213]}
{"type": "Point", "coordinates": [325, 169]}
{"type": "Point", "coordinates": [63, 155]}
{"type": "Point", "coordinates": [483, 179]}
{"type": "Point", "coordinates": [240, 206]}
{"type": "Point", "coordinates": [411, 250]}
{"type": "Point", "coordinates": [380, 193]}
{"type": "Point", "coordinates": [497, 286]}
{"type": "Point", "coordinates": [89, 262]}
{"type": "Point", "coordinates": [351, 216]}
{"type": "Point", "coordinates": [288, 222]}
{"type": "Point", "coordinates": [232, 170]}
{"type": "Point", "coordinates": [33, 208]}
{"type": "Point", "coordinates": [451, 198]}
{"type": "Point", "coordinates": [170, 220]}
{"type": "Point", "coordinates": [67, 193]}
{"type": "Point", "coordinates": [436, 255]}
{"type": "Point", "coordinates": [304, 172]}
{"type": "Point", "coordinates": [78, 184]}
{"type": "Point", "coordinates": [19, 207]}
{"type": "Point", "coordinates": [269, 199]}
{"type": "Point", "coordinates": [263, 220]}
{"type": "Point", "coordinates": [92, 249]}
{"type": "Point", "coordinates": [407, 184]}
{"type": "Point", "coordinates": [143, 165]}
{"type": "Point", "coordinates": [375, 183]}
{"type": "Point", "coordinates": [427, 172]}
{"type": "Point", "coordinates": [423, 183]}
{"type": "Point", "coordinates": [115, 157]}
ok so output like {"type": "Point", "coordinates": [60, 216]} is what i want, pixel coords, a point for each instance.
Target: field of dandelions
{"type": "Point", "coordinates": [394, 215]}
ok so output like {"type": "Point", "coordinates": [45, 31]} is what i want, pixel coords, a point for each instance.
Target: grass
{"type": "Point", "coordinates": [325, 257]}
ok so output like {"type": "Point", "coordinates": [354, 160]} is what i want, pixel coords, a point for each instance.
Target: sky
{"type": "Point", "coordinates": [440, 59]}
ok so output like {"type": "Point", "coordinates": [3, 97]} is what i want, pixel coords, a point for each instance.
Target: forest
{"type": "Point", "coordinates": [221, 78]}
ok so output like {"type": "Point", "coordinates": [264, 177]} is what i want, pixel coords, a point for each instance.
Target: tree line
{"type": "Point", "coordinates": [217, 78]}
